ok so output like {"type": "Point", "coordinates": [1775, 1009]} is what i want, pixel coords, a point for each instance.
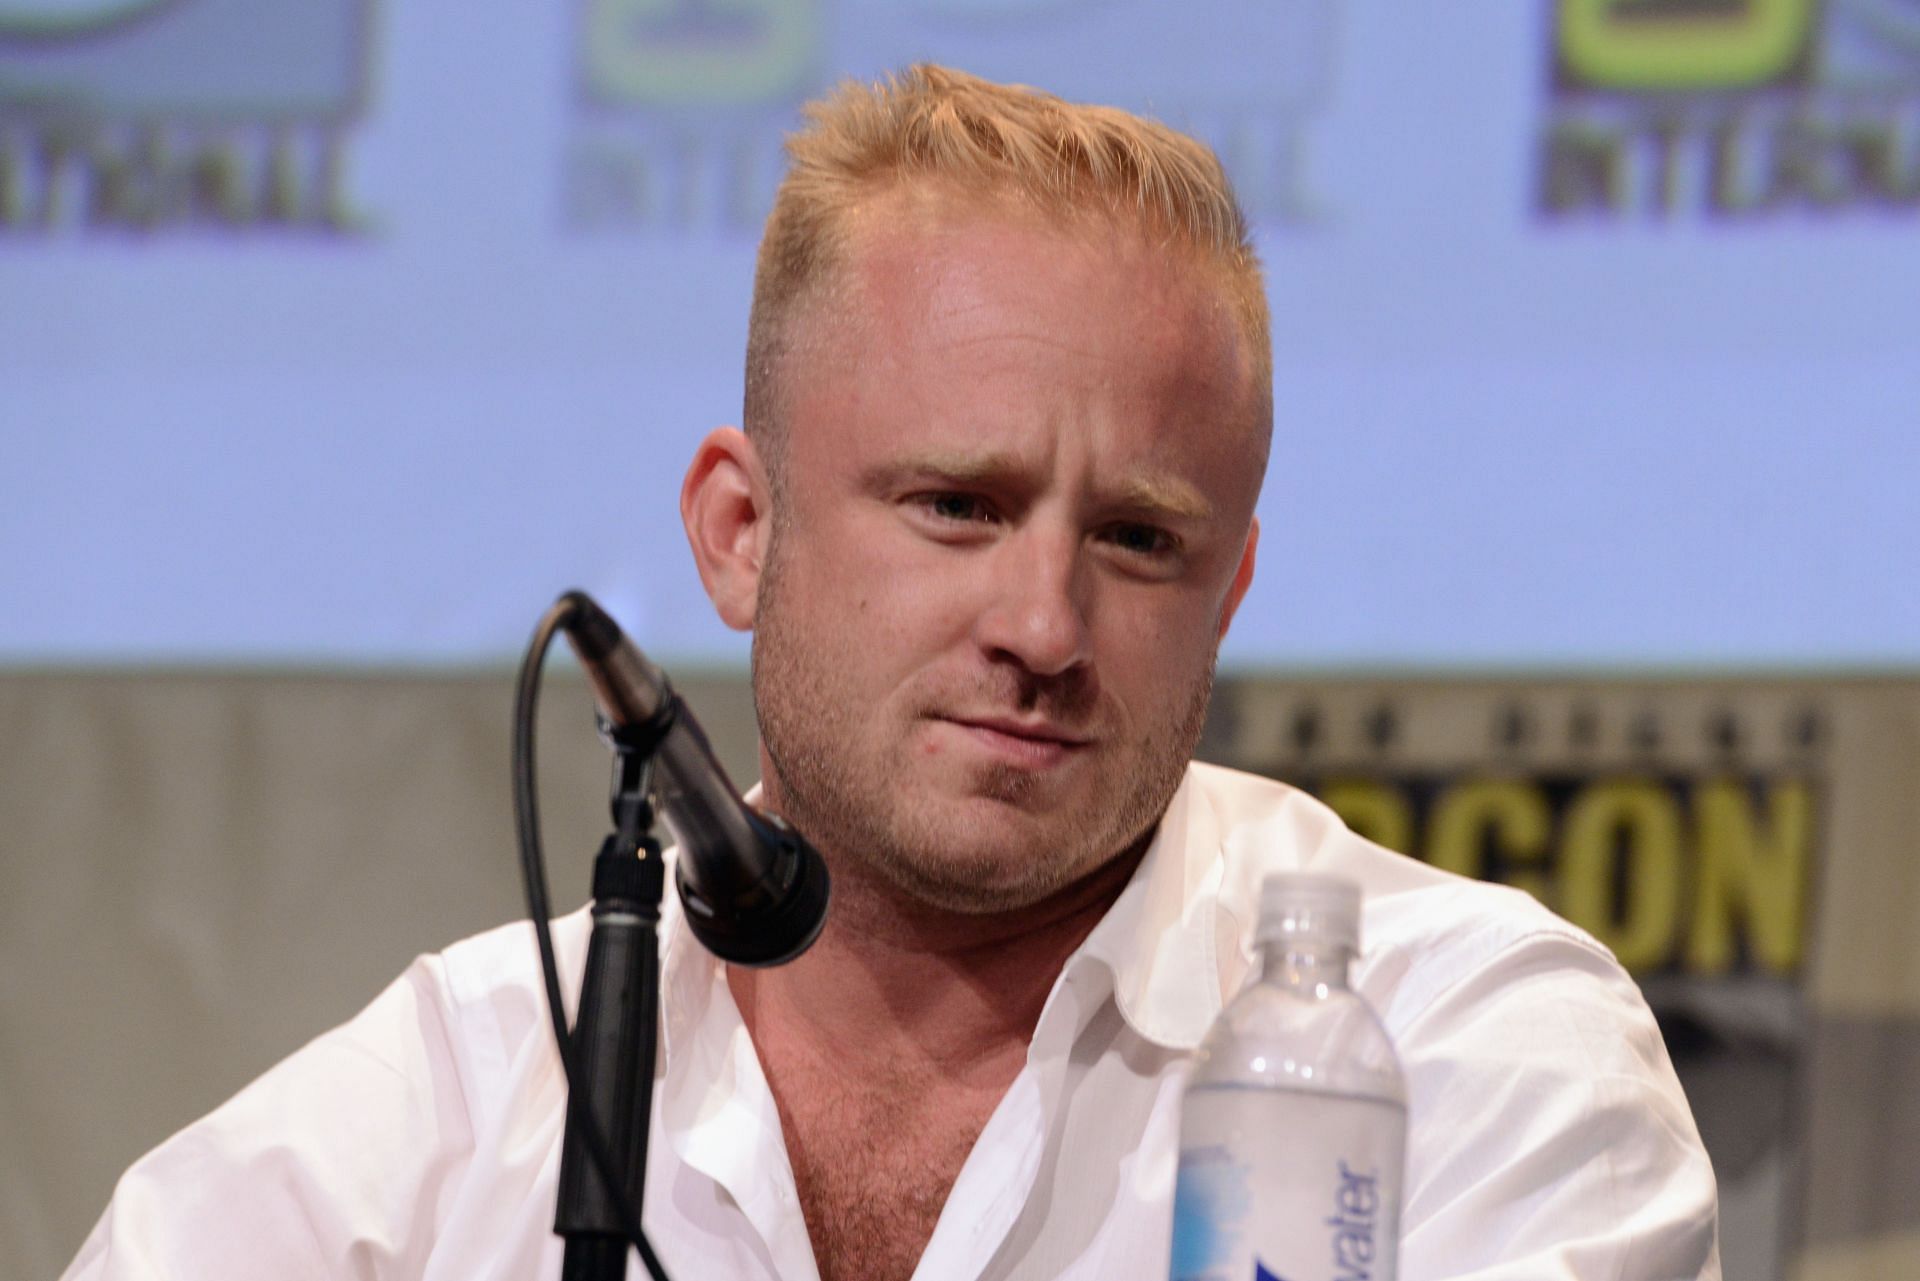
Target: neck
{"type": "Point", "coordinates": [895, 989]}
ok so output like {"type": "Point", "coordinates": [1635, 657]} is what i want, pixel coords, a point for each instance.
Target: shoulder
{"type": "Point", "coordinates": [343, 1143]}
{"type": "Point", "coordinates": [505, 959]}
{"type": "Point", "coordinates": [1498, 1009]}
{"type": "Point", "coordinates": [1424, 930]}
{"type": "Point", "coordinates": [491, 992]}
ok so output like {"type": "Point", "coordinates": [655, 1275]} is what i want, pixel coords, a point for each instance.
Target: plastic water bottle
{"type": "Point", "coordinates": [1293, 1129]}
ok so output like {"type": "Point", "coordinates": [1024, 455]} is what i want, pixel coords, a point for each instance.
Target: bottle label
{"type": "Point", "coordinates": [1287, 1185]}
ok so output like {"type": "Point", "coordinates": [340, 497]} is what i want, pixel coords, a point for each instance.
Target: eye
{"type": "Point", "coordinates": [1143, 540]}
{"type": "Point", "coordinates": [955, 509]}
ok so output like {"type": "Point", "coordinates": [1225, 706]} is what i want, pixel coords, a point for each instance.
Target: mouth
{"type": "Point", "coordinates": [1030, 743]}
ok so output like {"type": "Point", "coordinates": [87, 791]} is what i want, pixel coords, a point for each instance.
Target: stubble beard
{"type": "Point", "coordinates": [852, 805]}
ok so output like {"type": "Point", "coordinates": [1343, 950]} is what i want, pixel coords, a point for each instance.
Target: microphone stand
{"type": "Point", "coordinates": [775, 889]}
{"type": "Point", "coordinates": [612, 1045]}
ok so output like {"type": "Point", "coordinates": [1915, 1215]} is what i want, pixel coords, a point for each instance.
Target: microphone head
{"type": "Point", "coordinates": [774, 926]}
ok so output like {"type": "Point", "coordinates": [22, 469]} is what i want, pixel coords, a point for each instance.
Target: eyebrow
{"type": "Point", "coordinates": [1163, 496]}
{"type": "Point", "coordinates": [954, 465]}
{"type": "Point", "coordinates": [1167, 495]}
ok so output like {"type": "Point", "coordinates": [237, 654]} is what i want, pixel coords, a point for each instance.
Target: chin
{"type": "Point", "coordinates": [984, 876]}
{"type": "Point", "coordinates": [962, 897]}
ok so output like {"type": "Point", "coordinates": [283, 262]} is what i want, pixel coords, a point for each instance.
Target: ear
{"type": "Point", "coordinates": [726, 506]}
{"type": "Point", "coordinates": [1242, 579]}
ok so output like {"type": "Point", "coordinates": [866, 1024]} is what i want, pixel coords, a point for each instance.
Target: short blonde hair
{"type": "Point", "coordinates": [933, 125]}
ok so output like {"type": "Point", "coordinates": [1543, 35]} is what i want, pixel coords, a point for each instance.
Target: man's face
{"type": "Point", "coordinates": [1018, 480]}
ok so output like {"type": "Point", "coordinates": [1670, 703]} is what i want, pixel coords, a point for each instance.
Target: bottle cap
{"type": "Point", "coordinates": [1310, 909]}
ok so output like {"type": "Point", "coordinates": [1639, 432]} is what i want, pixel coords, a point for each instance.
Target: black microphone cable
{"type": "Point", "coordinates": [534, 875]}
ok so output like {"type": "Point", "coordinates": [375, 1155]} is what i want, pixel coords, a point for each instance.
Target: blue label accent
{"type": "Point", "coordinates": [1210, 1205]}
{"type": "Point", "coordinates": [1260, 1273]}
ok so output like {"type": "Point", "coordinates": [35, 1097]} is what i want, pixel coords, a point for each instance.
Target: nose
{"type": "Point", "coordinates": [1035, 614]}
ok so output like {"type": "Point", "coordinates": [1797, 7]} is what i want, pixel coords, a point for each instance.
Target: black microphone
{"type": "Point", "coordinates": [755, 892]}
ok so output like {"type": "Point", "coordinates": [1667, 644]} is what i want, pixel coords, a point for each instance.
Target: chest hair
{"type": "Point", "coordinates": [873, 1167]}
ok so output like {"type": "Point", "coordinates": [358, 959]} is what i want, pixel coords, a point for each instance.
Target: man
{"type": "Point", "coordinates": [1008, 405]}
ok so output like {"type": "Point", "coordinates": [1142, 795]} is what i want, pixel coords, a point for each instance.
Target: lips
{"type": "Point", "coordinates": [1035, 744]}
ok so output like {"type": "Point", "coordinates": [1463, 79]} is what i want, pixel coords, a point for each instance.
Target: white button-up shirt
{"type": "Point", "coordinates": [1548, 1137]}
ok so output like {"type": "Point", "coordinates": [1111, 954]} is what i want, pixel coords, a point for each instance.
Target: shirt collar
{"type": "Point", "coordinates": [1168, 939]}
{"type": "Point", "coordinates": [1175, 946]}
{"type": "Point", "coordinates": [1178, 943]}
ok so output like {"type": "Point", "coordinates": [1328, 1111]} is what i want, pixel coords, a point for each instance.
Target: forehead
{"type": "Point", "coordinates": [1025, 317]}
{"type": "Point", "coordinates": [958, 264]}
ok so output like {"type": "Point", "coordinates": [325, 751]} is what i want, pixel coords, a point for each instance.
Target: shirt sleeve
{"type": "Point", "coordinates": [332, 1164]}
{"type": "Point", "coordinates": [1549, 1138]}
